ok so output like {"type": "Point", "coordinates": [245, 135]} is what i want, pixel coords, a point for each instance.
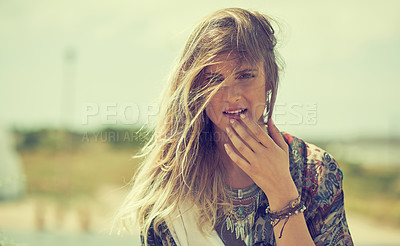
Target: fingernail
{"type": "Point", "coordinates": [228, 130]}
{"type": "Point", "coordinates": [232, 121]}
{"type": "Point", "coordinates": [242, 116]}
{"type": "Point", "coordinates": [226, 147]}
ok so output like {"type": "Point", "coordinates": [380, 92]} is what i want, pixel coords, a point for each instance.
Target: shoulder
{"type": "Point", "coordinates": [161, 236]}
{"type": "Point", "coordinates": [314, 170]}
{"type": "Point", "coordinates": [309, 156]}
{"type": "Point", "coordinates": [319, 180]}
{"type": "Point", "coordinates": [307, 152]}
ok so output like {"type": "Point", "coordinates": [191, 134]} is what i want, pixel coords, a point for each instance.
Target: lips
{"type": "Point", "coordinates": [235, 111]}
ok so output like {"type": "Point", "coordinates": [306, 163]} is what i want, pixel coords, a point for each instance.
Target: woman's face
{"type": "Point", "coordinates": [243, 91]}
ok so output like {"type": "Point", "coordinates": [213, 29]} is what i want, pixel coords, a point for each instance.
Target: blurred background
{"type": "Point", "coordinates": [80, 78]}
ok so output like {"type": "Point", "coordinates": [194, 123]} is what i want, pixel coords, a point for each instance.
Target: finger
{"type": "Point", "coordinates": [243, 164]}
{"type": "Point", "coordinates": [260, 134]}
{"type": "Point", "coordinates": [241, 147]}
{"type": "Point", "coordinates": [276, 135]}
{"type": "Point", "coordinates": [245, 136]}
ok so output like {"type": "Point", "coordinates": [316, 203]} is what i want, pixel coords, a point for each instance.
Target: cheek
{"type": "Point", "coordinates": [258, 101]}
{"type": "Point", "coordinates": [214, 110]}
{"type": "Point", "coordinates": [261, 101]}
{"type": "Point", "coordinates": [211, 110]}
{"type": "Point", "coordinates": [215, 104]}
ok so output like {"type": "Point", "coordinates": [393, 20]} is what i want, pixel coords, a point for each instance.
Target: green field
{"type": "Point", "coordinates": [373, 191]}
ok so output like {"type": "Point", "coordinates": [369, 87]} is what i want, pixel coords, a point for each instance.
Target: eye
{"type": "Point", "coordinates": [214, 79]}
{"type": "Point", "coordinates": [246, 76]}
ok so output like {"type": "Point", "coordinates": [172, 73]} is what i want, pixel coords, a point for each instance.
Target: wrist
{"type": "Point", "coordinates": [278, 199]}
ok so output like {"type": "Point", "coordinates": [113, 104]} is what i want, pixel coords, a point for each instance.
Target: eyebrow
{"type": "Point", "coordinates": [241, 71]}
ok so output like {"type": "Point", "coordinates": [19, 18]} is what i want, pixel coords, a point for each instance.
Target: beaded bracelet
{"type": "Point", "coordinates": [295, 207]}
{"type": "Point", "coordinates": [291, 205]}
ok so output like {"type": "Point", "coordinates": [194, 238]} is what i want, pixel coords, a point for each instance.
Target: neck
{"type": "Point", "coordinates": [236, 177]}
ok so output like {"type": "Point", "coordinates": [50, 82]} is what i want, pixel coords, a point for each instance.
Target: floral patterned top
{"type": "Point", "coordinates": [319, 181]}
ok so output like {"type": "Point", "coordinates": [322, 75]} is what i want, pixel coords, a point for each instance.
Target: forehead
{"type": "Point", "coordinates": [231, 63]}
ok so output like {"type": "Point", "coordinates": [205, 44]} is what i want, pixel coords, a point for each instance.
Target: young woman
{"type": "Point", "coordinates": [217, 171]}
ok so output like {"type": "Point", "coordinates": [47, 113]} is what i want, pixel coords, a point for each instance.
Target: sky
{"type": "Point", "coordinates": [88, 64]}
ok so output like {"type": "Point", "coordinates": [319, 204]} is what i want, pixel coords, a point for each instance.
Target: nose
{"type": "Point", "coordinates": [233, 93]}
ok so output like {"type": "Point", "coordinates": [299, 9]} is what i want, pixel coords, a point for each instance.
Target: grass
{"type": "Point", "coordinates": [373, 191]}
{"type": "Point", "coordinates": [68, 175]}
{"type": "Point", "coordinates": [5, 241]}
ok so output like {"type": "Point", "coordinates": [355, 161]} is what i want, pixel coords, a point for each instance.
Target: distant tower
{"type": "Point", "coordinates": [68, 88]}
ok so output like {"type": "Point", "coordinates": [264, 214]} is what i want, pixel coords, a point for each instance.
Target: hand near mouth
{"type": "Point", "coordinates": [266, 158]}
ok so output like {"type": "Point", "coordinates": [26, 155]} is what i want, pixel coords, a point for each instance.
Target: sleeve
{"type": "Point", "coordinates": [326, 215]}
{"type": "Point", "coordinates": [163, 239]}
{"type": "Point", "coordinates": [152, 238]}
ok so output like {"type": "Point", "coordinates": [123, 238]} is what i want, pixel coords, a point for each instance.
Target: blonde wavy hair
{"type": "Point", "coordinates": [181, 162]}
